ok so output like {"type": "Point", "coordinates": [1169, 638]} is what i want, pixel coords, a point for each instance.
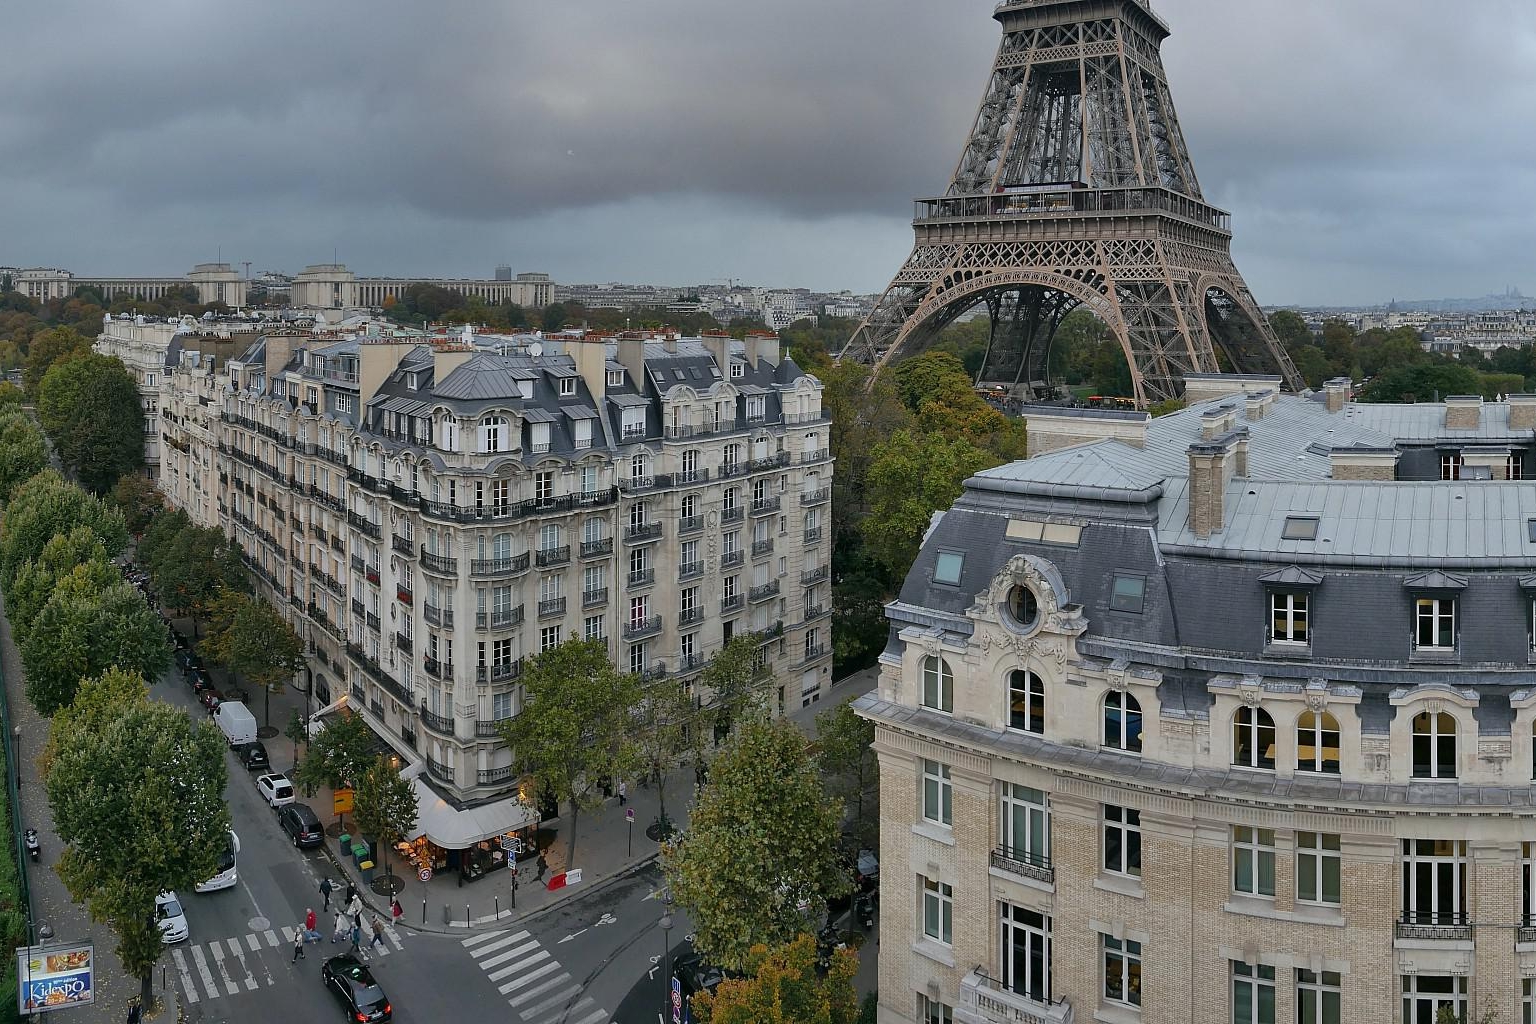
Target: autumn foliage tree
{"type": "Point", "coordinates": [783, 986]}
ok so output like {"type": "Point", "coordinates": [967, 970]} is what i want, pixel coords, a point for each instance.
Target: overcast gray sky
{"type": "Point", "coordinates": [1367, 148]}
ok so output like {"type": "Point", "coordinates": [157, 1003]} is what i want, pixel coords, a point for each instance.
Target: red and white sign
{"type": "Point", "coordinates": [563, 879]}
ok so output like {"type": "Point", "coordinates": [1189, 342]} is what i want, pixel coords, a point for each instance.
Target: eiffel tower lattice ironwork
{"type": "Point", "coordinates": [1076, 189]}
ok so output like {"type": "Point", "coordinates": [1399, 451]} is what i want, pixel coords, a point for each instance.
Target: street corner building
{"type": "Point", "coordinates": [432, 508]}
{"type": "Point", "coordinates": [1224, 716]}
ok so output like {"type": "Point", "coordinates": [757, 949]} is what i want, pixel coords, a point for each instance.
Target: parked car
{"type": "Point", "coordinates": [353, 986]}
{"type": "Point", "coordinates": [253, 755]}
{"type": "Point", "coordinates": [199, 678]}
{"type": "Point", "coordinates": [301, 824]}
{"type": "Point", "coordinates": [275, 789]}
{"type": "Point", "coordinates": [187, 660]}
{"type": "Point", "coordinates": [170, 917]}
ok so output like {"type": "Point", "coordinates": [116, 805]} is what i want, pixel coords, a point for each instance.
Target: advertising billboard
{"type": "Point", "coordinates": [55, 977]}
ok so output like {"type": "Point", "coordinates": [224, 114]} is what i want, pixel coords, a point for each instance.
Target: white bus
{"type": "Point", "coordinates": [228, 874]}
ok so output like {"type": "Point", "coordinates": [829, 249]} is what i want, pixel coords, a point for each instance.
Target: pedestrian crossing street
{"type": "Point", "coordinates": [535, 984]}
{"type": "Point", "coordinates": [228, 967]}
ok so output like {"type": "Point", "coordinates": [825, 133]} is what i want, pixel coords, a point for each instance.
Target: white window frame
{"type": "Point", "coordinates": [932, 1011]}
{"type": "Point", "coordinates": [1253, 732]}
{"type": "Point", "coordinates": [1312, 731]}
{"type": "Point", "coordinates": [938, 685]}
{"type": "Point", "coordinates": [1018, 972]}
{"type": "Point", "coordinates": [1433, 617]}
{"type": "Point", "coordinates": [1288, 618]}
{"type": "Point", "coordinates": [1319, 862]}
{"type": "Point", "coordinates": [495, 431]}
{"type": "Point", "coordinates": [1121, 960]}
{"type": "Point", "coordinates": [938, 794]}
{"type": "Point", "coordinates": [1116, 732]}
{"type": "Point", "coordinates": [1415, 996]}
{"type": "Point", "coordinates": [1434, 737]}
{"type": "Point", "coordinates": [567, 386]}
{"type": "Point", "coordinates": [1032, 695]}
{"type": "Point", "coordinates": [1026, 818]}
{"type": "Point", "coordinates": [1124, 823]}
{"type": "Point", "coordinates": [938, 913]}
{"type": "Point", "coordinates": [1248, 984]}
{"type": "Point", "coordinates": [1428, 857]}
{"type": "Point", "coordinates": [1253, 854]}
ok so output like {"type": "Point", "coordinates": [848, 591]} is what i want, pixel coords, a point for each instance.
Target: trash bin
{"type": "Point", "coordinates": [366, 867]}
{"type": "Point", "coordinates": [359, 853]}
{"type": "Point", "coordinates": [345, 843]}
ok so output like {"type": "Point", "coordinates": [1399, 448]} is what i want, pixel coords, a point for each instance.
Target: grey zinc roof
{"type": "Point", "coordinates": [1427, 422]}
{"type": "Point", "coordinates": [1109, 464]}
{"type": "Point", "coordinates": [486, 375]}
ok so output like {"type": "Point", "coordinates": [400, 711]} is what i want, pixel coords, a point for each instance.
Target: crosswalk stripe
{"type": "Point", "coordinates": [475, 940]}
{"type": "Point", "coordinates": [186, 976]}
{"type": "Point", "coordinates": [511, 954]}
{"type": "Point", "coordinates": [271, 937]}
{"type": "Point", "coordinates": [544, 986]}
{"type": "Point", "coordinates": [593, 1018]}
{"type": "Point", "coordinates": [489, 947]}
{"type": "Point", "coordinates": [218, 958]}
{"type": "Point", "coordinates": [556, 1000]}
{"type": "Point", "coordinates": [252, 941]}
{"type": "Point", "coordinates": [201, 961]}
{"type": "Point", "coordinates": [394, 937]}
{"type": "Point", "coordinates": [513, 968]}
{"type": "Point", "coordinates": [537, 972]}
{"type": "Point", "coordinates": [250, 979]}
{"type": "Point", "coordinates": [289, 933]}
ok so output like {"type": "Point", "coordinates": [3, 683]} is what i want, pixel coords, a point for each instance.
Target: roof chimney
{"type": "Point", "coordinates": [762, 345]}
{"type": "Point", "coordinates": [447, 358]}
{"type": "Point", "coordinates": [591, 358]}
{"type": "Point", "coordinates": [1463, 412]}
{"type": "Point", "coordinates": [1049, 427]}
{"type": "Point", "coordinates": [1216, 422]}
{"type": "Point", "coordinates": [1336, 393]}
{"type": "Point", "coordinates": [1256, 406]}
{"type": "Point", "coordinates": [718, 344]}
{"type": "Point", "coordinates": [631, 353]}
{"type": "Point", "coordinates": [1211, 467]}
{"type": "Point", "coordinates": [377, 358]}
{"type": "Point", "coordinates": [1522, 412]}
{"type": "Point", "coordinates": [1363, 463]}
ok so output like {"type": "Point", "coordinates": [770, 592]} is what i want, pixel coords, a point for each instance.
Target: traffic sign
{"type": "Point", "coordinates": [341, 801]}
{"type": "Point", "coordinates": [425, 874]}
{"type": "Point", "coordinates": [629, 815]}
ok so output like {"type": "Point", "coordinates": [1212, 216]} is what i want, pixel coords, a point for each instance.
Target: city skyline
{"type": "Point", "coordinates": [780, 146]}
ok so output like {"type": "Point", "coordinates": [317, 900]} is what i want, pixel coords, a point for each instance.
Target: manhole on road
{"type": "Point", "coordinates": [259, 924]}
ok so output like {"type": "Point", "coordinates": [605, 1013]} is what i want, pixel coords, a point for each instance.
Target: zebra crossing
{"type": "Point", "coordinates": [227, 967]}
{"type": "Point", "coordinates": [533, 982]}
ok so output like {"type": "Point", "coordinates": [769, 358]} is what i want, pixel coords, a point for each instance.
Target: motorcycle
{"type": "Point", "coordinates": [864, 910]}
{"type": "Point", "coordinates": [34, 847]}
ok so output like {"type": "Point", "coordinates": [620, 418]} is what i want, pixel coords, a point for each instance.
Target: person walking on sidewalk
{"type": "Point", "coordinates": [623, 792]}
{"type": "Point", "coordinates": [310, 923]}
{"type": "Point", "coordinates": [298, 945]}
{"type": "Point", "coordinates": [355, 909]}
{"type": "Point", "coordinates": [396, 911]}
{"type": "Point", "coordinates": [378, 932]}
{"type": "Point", "coordinates": [351, 891]}
{"type": "Point", "coordinates": [326, 888]}
{"type": "Point", "coordinates": [339, 931]}
{"type": "Point", "coordinates": [543, 867]}
{"type": "Point", "coordinates": [357, 939]}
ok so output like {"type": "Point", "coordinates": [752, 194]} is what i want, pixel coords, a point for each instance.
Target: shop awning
{"type": "Point", "coordinates": [454, 829]}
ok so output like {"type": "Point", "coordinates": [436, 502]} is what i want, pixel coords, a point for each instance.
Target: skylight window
{"type": "Point", "coordinates": [1128, 593]}
{"type": "Point", "coordinates": [948, 567]}
{"type": "Point", "coordinates": [1299, 528]}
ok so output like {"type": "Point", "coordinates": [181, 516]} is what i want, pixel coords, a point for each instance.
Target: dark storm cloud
{"type": "Point", "coordinates": [1366, 149]}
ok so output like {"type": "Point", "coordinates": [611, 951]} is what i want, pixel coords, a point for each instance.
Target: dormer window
{"type": "Point", "coordinates": [615, 378]}
{"type": "Point", "coordinates": [525, 389]}
{"type": "Point", "coordinates": [410, 381]}
{"type": "Point", "coordinates": [567, 386]}
{"type": "Point", "coordinates": [738, 370]}
{"type": "Point", "coordinates": [1435, 624]}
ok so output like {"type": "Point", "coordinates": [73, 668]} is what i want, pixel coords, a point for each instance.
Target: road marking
{"type": "Point", "coordinates": [514, 968]}
{"type": "Point", "coordinates": [202, 969]}
{"type": "Point", "coordinates": [218, 958]}
{"type": "Point", "coordinates": [556, 1000]}
{"type": "Point", "coordinates": [606, 919]}
{"type": "Point", "coordinates": [250, 979]}
{"type": "Point", "coordinates": [252, 941]}
{"type": "Point", "coordinates": [271, 937]}
{"type": "Point", "coordinates": [593, 1018]}
{"type": "Point", "coordinates": [511, 954]}
{"type": "Point", "coordinates": [499, 943]}
{"type": "Point", "coordinates": [537, 972]}
{"type": "Point", "coordinates": [569, 937]}
{"type": "Point", "coordinates": [475, 940]}
{"type": "Point", "coordinates": [186, 976]}
{"type": "Point", "coordinates": [521, 998]}
{"type": "Point", "coordinates": [394, 937]}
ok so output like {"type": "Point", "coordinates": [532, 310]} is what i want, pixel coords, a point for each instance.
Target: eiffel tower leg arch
{"type": "Point", "coordinates": [1241, 332]}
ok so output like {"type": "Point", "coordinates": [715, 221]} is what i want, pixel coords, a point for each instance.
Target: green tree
{"type": "Point", "coordinates": [574, 732]}
{"type": "Point", "coordinates": [1312, 365]}
{"type": "Point", "coordinates": [82, 631]}
{"type": "Point", "coordinates": [23, 450]}
{"type": "Point", "coordinates": [194, 570]}
{"type": "Point", "coordinates": [669, 725]}
{"type": "Point", "coordinates": [921, 378]}
{"type": "Point", "coordinates": [46, 505]}
{"type": "Point", "coordinates": [137, 793]}
{"type": "Point", "coordinates": [297, 730]}
{"type": "Point", "coordinates": [139, 500]}
{"type": "Point", "coordinates": [155, 544]}
{"type": "Point", "coordinates": [912, 476]}
{"type": "Point", "coordinates": [338, 754]}
{"type": "Point", "coordinates": [248, 636]}
{"type": "Point", "coordinates": [57, 345]}
{"type": "Point", "coordinates": [1422, 382]}
{"type": "Point", "coordinates": [845, 755]}
{"type": "Point", "coordinates": [1291, 330]}
{"type": "Point", "coordinates": [91, 409]}
{"type": "Point", "coordinates": [738, 683]}
{"type": "Point", "coordinates": [760, 859]}
{"type": "Point", "coordinates": [1338, 345]}
{"type": "Point", "coordinates": [862, 413]}
{"type": "Point", "coordinates": [384, 807]}
{"type": "Point", "coordinates": [785, 986]}
{"type": "Point", "coordinates": [36, 581]}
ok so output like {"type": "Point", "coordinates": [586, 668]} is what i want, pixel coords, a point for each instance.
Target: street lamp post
{"type": "Point", "coordinates": [666, 959]}
{"type": "Point", "coordinates": [16, 751]}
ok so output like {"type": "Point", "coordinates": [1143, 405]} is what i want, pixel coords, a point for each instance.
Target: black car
{"type": "Point", "coordinates": [353, 986]}
{"type": "Point", "coordinates": [253, 755]}
{"type": "Point", "coordinates": [301, 824]}
{"type": "Point", "coordinates": [187, 660]}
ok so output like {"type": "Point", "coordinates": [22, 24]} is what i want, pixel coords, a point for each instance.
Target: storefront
{"type": "Point", "coordinates": [472, 841]}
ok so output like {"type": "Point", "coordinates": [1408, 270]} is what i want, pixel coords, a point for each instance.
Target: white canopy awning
{"type": "Point", "coordinates": [454, 829]}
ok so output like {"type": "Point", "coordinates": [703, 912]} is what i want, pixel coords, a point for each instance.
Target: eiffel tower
{"type": "Point", "coordinates": [1076, 189]}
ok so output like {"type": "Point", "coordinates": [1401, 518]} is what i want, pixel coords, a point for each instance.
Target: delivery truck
{"type": "Point", "coordinates": [236, 722]}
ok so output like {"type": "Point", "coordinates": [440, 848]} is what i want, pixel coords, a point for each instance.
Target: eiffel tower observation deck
{"type": "Point", "coordinates": [1075, 188]}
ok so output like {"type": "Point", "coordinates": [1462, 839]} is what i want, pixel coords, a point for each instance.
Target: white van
{"type": "Point", "coordinates": [236, 722]}
{"type": "Point", "coordinates": [228, 874]}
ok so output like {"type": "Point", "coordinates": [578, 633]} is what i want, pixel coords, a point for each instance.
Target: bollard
{"type": "Point", "coordinates": [423, 911]}
{"type": "Point", "coordinates": [497, 899]}
{"type": "Point", "coordinates": [447, 914]}
{"type": "Point", "coordinates": [466, 915]}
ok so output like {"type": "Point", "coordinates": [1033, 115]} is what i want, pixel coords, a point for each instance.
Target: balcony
{"type": "Point", "coordinates": [688, 616]}
{"type": "Point", "coordinates": [403, 642]}
{"type": "Point", "coordinates": [761, 548]}
{"type": "Point", "coordinates": [765, 506]}
{"type": "Point", "coordinates": [594, 598]}
{"type": "Point", "coordinates": [733, 514]}
{"type": "Point", "coordinates": [490, 730]}
{"type": "Point", "coordinates": [820, 496]}
{"type": "Point", "coordinates": [440, 724]}
{"type": "Point", "coordinates": [690, 570]}
{"type": "Point", "coordinates": [553, 556]}
{"type": "Point", "coordinates": [551, 606]}
{"type": "Point", "coordinates": [812, 535]}
{"type": "Point", "coordinates": [1526, 933]}
{"type": "Point", "coordinates": [690, 524]}
{"type": "Point", "coordinates": [373, 621]}
{"type": "Point", "coordinates": [597, 548]}
{"type": "Point", "coordinates": [371, 574]}
{"type": "Point", "coordinates": [816, 611]}
{"type": "Point", "coordinates": [501, 618]}
{"type": "Point", "coordinates": [442, 565]}
{"type": "Point", "coordinates": [1429, 926]}
{"type": "Point", "coordinates": [732, 603]}
{"type": "Point", "coordinates": [436, 616]}
{"type": "Point", "coordinates": [357, 563]}
{"type": "Point", "coordinates": [1024, 864]}
{"type": "Point", "coordinates": [438, 669]}
{"type": "Point", "coordinates": [778, 461]}
{"type": "Point", "coordinates": [636, 629]}
{"type": "Point", "coordinates": [491, 776]}
{"type": "Point", "coordinates": [984, 998]}
{"type": "Point", "coordinates": [642, 577]}
{"type": "Point", "coordinates": [731, 469]}
{"type": "Point", "coordinates": [402, 544]}
{"type": "Point", "coordinates": [500, 671]}
{"type": "Point", "coordinates": [638, 533]}
{"type": "Point", "coordinates": [440, 772]}
{"type": "Point", "coordinates": [499, 566]}
{"type": "Point", "coordinates": [817, 575]}
{"type": "Point", "coordinates": [365, 526]}
{"type": "Point", "coordinates": [403, 594]}
{"type": "Point", "coordinates": [764, 592]}
{"type": "Point", "coordinates": [813, 652]}
{"type": "Point", "coordinates": [731, 559]}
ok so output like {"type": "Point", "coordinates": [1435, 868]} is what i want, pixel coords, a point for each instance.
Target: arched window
{"type": "Point", "coordinates": [1122, 722]}
{"type": "Point", "coordinates": [495, 434]}
{"type": "Point", "coordinates": [938, 685]}
{"type": "Point", "coordinates": [1434, 745]}
{"type": "Point", "coordinates": [1026, 702]}
{"type": "Point", "coordinates": [1317, 743]}
{"type": "Point", "coordinates": [1253, 738]}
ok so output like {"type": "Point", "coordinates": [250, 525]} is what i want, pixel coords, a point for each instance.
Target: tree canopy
{"type": "Point", "coordinates": [912, 476]}
{"type": "Point", "coordinates": [23, 450]}
{"type": "Point", "coordinates": [91, 409]}
{"type": "Point", "coordinates": [50, 347]}
{"type": "Point", "coordinates": [784, 986]}
{"type": "Point", "coordinates": [46, 505]}
{"type": "Point", "coordinates": [191, 566]}
{"type": "Point", "coordinates": [845, 755]}
{"type": "Point", "coordinates": [338, 754]}
{"type": "Point", "coordinates": [139, 500]}
{"type": "Point", "coordinates": [760, 858]}
{"type": "Point", "coordinates": [385, 805]}
{"type": "Point", "coordinates": [251, 639]}
{"type": "Point", "coordinates": [84, 630]}
{"type": "Point", "coordinates": [137, 793]}
{"type": "Point", "coordinates": [36, 580]}
{"type": "Point", "coordinates": [575, 728]}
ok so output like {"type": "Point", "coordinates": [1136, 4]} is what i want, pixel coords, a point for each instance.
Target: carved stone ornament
{"type": "Point", "coordinates": [1250, 691]}
{"type": "Point", "coordinates": [1317, 698]}
{"type": "Point", "coordinates": [1433, 706]}
{"type": "Point", "coordinates": [1118, 675]}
